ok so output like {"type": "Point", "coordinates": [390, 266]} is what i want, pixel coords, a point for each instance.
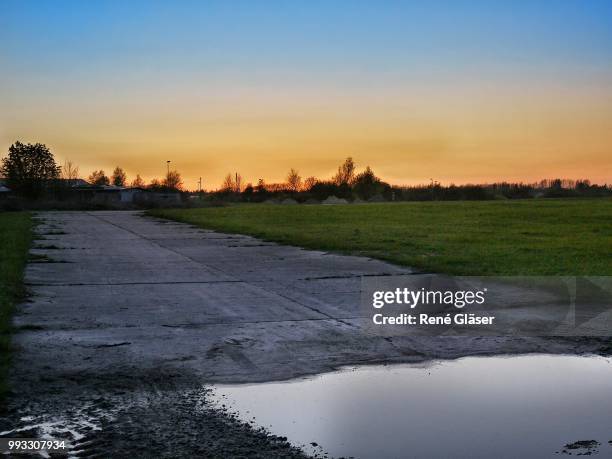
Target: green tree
{"type": "Point", "coordinates": [367, 185]}
{"type": "Point", "coordinates": [98, 178]}
{"type": "Point", "coordinates": [28, 168]}
{"type": "Point", "coordinates": [173, 181]}
{"type": "Point", "coordinates": [118, 178]}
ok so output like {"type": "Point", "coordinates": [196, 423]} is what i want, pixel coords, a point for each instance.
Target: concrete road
{"type": "Point", "coordinates": [122, 303]}
{"type": "Point", "coordinates": [117, 289]}
{"type": "Point", "coordinates": [125, 290]}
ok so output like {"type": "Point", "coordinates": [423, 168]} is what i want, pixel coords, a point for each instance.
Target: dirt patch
{"type": "Point", "coordinates": [582, 448]}
{"type": "Point", "coordinates": [127, 414]}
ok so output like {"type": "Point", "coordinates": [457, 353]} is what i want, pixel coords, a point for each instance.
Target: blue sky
{"type": "Point", "coordinates": [308, 36]}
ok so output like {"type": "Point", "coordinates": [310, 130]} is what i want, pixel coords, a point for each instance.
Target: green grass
{"type": "Point", "coordinates": [527, 237]}
{"type": "Point", "coordinates": [15, 238]}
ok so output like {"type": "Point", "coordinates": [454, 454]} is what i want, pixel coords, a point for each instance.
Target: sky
{"type": "Point", "coordinates": [455, 91]}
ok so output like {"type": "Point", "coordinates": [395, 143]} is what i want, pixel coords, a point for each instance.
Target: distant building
{"type": "Point", "coordinates": [110, 194]}
{"type": "Point", "coordinates": [82, 191]}
{"type": "Point", "coordinates": [158, 197]}
{"type": "Point", "coordinates": [5, 192]}
{"type": "Point", "coordinates": [72, 183]}
{"type": "Point", "coordinates": [130, 194]}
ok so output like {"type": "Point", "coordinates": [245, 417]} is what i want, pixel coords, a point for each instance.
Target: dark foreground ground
{"type": "Point", "coordinates": [130, 317]}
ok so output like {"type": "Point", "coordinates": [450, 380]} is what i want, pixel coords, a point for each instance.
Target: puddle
{"type": "Point", "coordinates": [526, 406]}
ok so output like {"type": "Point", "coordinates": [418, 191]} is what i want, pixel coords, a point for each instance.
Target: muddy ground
{"type": "Point", "coordinates": [130, 318]}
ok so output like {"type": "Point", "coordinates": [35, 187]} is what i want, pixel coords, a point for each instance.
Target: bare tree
{"type": "Point", "coordinates": [155, 183]}
{"type": "Point", "coordinates": [294, 181]}
{"type": "Point", "coordinates": [309, 183]}
{"type": "Point", "coordinates": [98, 178]}
{"type": "Point", "coordinates": [232, 183]}
{"type": "Point", "coordinates": [138, 182]}
{"type": "Point", "coordinates": [346, 173]}
{"type": "Point", "coordinates": [70, 172]}
{"type": "Point", "coordinates": [228, 184]}
{"type": "Point", "coordinates": [118, 178]}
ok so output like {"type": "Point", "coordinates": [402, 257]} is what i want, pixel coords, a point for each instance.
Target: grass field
{"type": "Point", "coordinates": [15, 238]}
{"type": "Point", "coordinates": [527, 237]}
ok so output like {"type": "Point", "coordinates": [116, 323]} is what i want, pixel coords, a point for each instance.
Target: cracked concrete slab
{"type": "Point", "coordinates": [225, 307]}
{"type": "Point", "coordinates": [174, 295]}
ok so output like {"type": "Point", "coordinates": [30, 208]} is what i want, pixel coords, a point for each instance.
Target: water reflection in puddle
{"type": "Point", "coordinates": [527, 406]}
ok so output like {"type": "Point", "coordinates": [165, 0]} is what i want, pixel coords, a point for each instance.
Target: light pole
{"type": "Point", "coordinates": [168, 167]}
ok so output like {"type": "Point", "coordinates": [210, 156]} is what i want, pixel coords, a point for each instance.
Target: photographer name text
{"type": "Point", "coordinates": [406, 298]}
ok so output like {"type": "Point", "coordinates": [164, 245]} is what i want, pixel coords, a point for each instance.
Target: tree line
{"type": "Point", "coordinates": [347, 183]}
{"type": "Point", "coordinates": [172, 180]}
{"type": "Point", "coordinates": [30, 170]}
{"type": "Point", "coordinates": [351, 185]}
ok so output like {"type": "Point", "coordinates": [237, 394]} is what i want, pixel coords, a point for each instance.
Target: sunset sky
{"type": "Point", "coordinates": [458, 91]}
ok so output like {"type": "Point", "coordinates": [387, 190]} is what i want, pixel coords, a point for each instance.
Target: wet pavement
{"type": "Point", "coordinates": [127, 310]}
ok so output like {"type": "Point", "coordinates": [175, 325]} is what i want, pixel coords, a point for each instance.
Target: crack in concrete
{"type": "Point", "coordinates": [271, 292]}
{"type": "Point", "coordinates": [92, 284]}
{"type": "Point", "coordinates": [359, 276]}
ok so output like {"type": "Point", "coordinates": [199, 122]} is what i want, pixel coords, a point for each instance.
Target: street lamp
{"type": "Point", "coordinates": [168, 166]}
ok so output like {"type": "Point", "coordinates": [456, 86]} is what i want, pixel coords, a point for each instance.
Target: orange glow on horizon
{"type": "Point", "coordinates": [406, 136]}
